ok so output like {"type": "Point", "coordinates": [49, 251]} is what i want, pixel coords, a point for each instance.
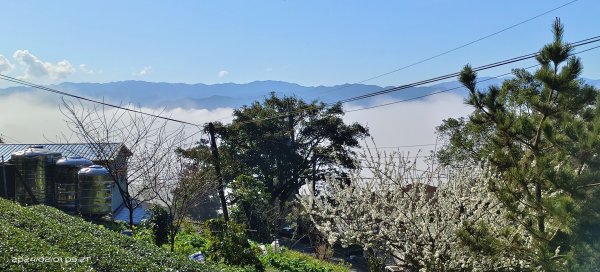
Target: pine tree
{"type": "Point", "coordinates": [542, 141]}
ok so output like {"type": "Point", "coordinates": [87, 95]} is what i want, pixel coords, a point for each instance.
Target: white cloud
{"type": "Point", "coordinates": [409, 123]}
{"type": "Point", "coordinates": [84, 68]}
{"type": "Point", "coordinates": [29, 124]}
{"type": "Point", "coordinates": [36, 68]}
{"type": "Point", "coordinates": [144, 71]}
{"type": "Point", "coordinates": [5, 65]}
{"type": "Point", "coordinates": [223, 73]}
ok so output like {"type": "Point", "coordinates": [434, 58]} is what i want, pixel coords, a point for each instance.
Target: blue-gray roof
{"type": "Point", "coordinates": [139, 213]}
{"type": "Point", "coordinates": [93, 152]}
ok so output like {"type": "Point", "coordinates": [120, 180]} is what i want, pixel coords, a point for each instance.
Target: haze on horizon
{"type": "Point", "coordinates": [310, 43]}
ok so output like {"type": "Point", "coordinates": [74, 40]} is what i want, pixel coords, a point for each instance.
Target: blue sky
{"type": "Point", "coordinates": [305, 42]}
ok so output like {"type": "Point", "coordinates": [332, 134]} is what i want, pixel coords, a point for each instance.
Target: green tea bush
{"type": "Point", "coordinates": [17, 245]}
{"type": "Point", "coordinates": [72, 236]}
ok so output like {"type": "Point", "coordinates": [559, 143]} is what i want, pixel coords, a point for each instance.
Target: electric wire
{"type": "Point", "coordinates": [463, 45]}
{"type": "Point", "coordinates": [4, 136]}
{"type": "Point", "coordinates": [450, 89]}
{"type": "Point", "coordinates": [44, 88]}
{"type": "Point", "coordinates": [453, 75]}
{"type": "Point", "coordinates": [423, 82]}
{"type": "Point", "coordinates": [395, 89]}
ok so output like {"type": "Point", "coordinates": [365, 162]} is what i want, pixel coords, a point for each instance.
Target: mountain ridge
{"type": "Point", "coordinates": [234, 95]}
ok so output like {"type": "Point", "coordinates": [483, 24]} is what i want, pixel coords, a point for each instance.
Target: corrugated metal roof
{"type": "Point", "coordinates": [93, 152]}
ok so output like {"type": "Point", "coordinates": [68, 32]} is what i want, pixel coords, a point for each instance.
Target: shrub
{"type": "Point", "coordinates": [228, 244]}
{"type": "Point", "coordinates": [187, 243]}
{"type": "Point", "coordinates": [294, 261]}
{"type": "Point", "coordinates": [159, 222]}
{"type": "Point", "coordinates": [144, 233]}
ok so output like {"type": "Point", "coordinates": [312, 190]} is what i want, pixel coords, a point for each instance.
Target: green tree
{"type": "Point", "coordinates": [279, 141]}
{"type": "Point", "coordinates": [252, 208]}
{"type": "Point", "coordinates": [540, 134]}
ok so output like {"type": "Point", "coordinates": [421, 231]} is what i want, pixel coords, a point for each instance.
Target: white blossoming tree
{"type": "Point", "coordinates": [434, 220]}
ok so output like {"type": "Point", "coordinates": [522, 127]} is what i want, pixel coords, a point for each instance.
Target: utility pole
{"type": "Point", "coordinates": [215, 154]}
{"type": "Point", "coordinates": [4, 176]}
{"type": "Point", "coordinates": [314, 175]}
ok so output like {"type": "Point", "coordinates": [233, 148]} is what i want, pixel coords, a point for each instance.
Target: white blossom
{"type": "Point", "coordinates": [415, 216]}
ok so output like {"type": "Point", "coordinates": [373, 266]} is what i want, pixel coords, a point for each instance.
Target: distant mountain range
{"type": "Point", "coordinates": [232, 95]}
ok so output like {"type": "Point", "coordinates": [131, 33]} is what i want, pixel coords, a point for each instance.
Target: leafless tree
{"type": "Point", "coordinates": [145, 142]}
{"type": "Point", "coordinates": [178, 184]}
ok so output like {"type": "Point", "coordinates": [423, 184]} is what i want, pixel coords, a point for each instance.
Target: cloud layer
{"type": "Point", "coordinates": [411, 123]}
{"type": "Point", "coordinates": [34, 117]}
{"type": "Point", "coordinates": [5, 65]}
{"type": "Point", "coordinates": [34, 68]}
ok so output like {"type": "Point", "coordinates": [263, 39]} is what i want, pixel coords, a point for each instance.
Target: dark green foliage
{"type": "Point", "coordinates": [279, 151]}
{"type": "Point", "coordinates": [49, 230]}
{"type": "Point", "coordinates": [227, 243]}
{"type": "Point", "coordinates": [308, 140]}
{"type": "Point", "coordinates": [160, 222]}
{"type": "Point", "coordinates": [540, 133]}
{"type": "Point", "coordinates": [252, 208]}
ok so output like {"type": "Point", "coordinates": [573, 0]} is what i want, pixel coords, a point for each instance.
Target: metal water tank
{"type": "Point", "coordinates": [66, 182]}
{"type": "Point", "coordinates": [95, 195]}
{"type": "Point", "coordinates": [34, 166]}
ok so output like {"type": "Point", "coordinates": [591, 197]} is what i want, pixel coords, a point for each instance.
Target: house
{"type": "Point", "coordinates": [114, 154]}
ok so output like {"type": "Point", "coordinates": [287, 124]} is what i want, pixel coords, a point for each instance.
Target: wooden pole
{"type": "Point", "coordinates": [215, 154]}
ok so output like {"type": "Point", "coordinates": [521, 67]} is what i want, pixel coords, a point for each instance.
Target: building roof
{"type": "Point", "coordinates": [140, 212]}
{"type": "Point", "coordinates": [93, 152]}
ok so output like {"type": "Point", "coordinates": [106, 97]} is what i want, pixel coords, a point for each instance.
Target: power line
{"type": "Point", "coordinates": [464, 45]}
{"type": "Point", "coordinates": [419, 83]}
{"type": "Point", "coordinates": [4, 136]}
{"type": "Point", "coordinates": [44, 88]}
{"type": "Point", "coordinates": [453, 75]}
{"type": "Point", "coordinates": [451, 89]}
{"type": "Point", "coordinates": [401, 146]}
{"type": "Point", "coordinates": [395, 89]}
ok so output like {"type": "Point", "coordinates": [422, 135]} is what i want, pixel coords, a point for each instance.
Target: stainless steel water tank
{"type": "Point", "coordinates": [66, 182]}
{"type": "Point", "coordinates": [34, 165]}
{"type": "Point", "coordinates": [95, 196]}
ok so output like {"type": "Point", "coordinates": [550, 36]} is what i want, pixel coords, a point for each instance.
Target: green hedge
{"type": "Point", "coordinates": [16, 246]}
{"type": "Point", "coordinates": [48, 230]}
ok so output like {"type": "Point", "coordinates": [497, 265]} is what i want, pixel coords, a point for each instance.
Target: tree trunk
{"type": "Point", "coordinates": [540, 212]}
{"type": "Point", "coordinates": [172, 239]}
{"type": "Point", "coordinates": [215, 153]}
{"type": "Point", "coordinates": [130, 209]}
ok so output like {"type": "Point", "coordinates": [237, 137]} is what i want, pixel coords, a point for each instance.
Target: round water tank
{"type": "Point", "coordinates": [66, 181]}
{"type": "Point", "coordinates": [95, 196]}
{"type": "Point", "coordinates": [34, 165]}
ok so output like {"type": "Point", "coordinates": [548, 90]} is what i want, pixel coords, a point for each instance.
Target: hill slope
{"type": "Point", "coordinates": [41, 238]}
